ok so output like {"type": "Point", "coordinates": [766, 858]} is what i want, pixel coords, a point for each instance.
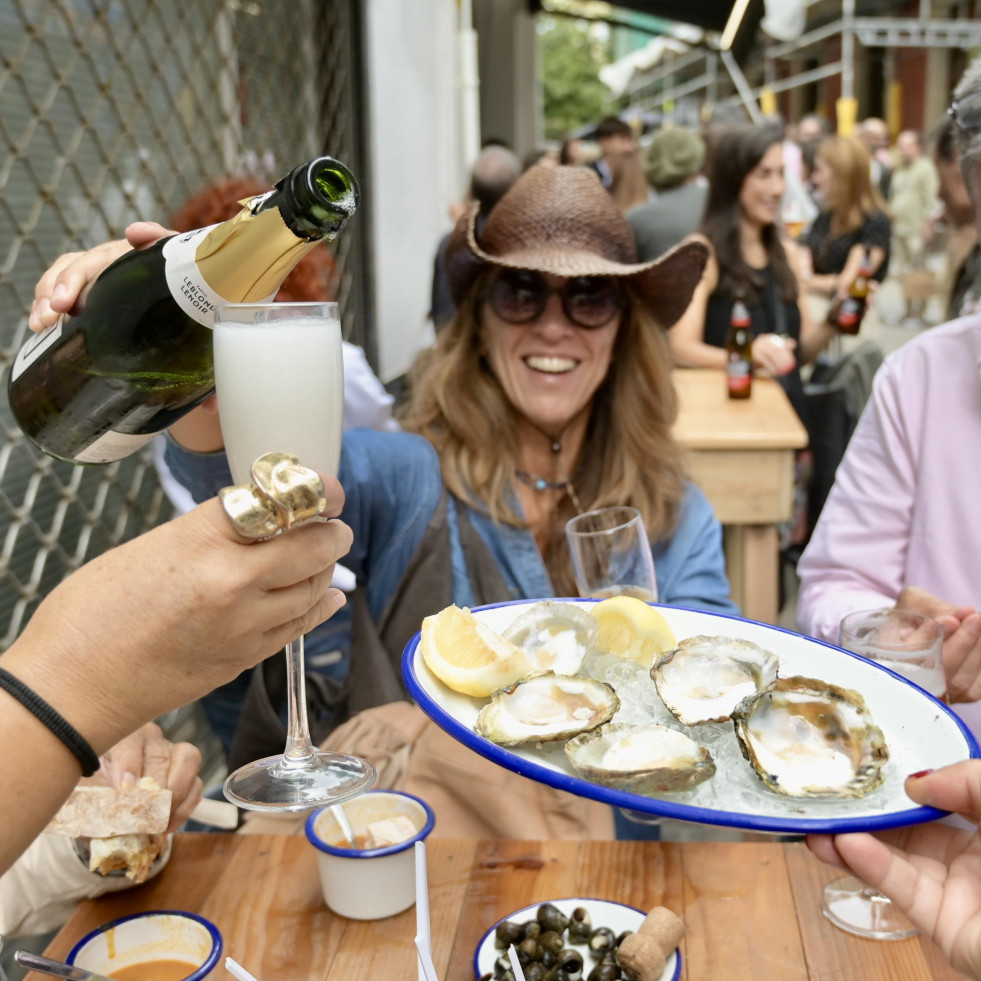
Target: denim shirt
{"type": "Point", "coordinates": [392, 483]}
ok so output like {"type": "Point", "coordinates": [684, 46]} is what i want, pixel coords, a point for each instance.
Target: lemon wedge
{"type": "Point", "coordinates": [467, 655]}
{"type": "Point", "coordinates": [631, 629]}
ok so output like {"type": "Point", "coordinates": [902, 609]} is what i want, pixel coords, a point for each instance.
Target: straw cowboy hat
{"type": "Point", "coordinates": [561, 220]}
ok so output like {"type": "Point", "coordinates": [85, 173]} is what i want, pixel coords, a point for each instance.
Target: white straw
{"type": "Point", "coordinates": [427, 969]}
{"type": "Point", "coordinates": [519, 975]}
{"type": "Point", "coordinates": [237, 971]}
{"type": "Point", "coordinates": [422, 913]}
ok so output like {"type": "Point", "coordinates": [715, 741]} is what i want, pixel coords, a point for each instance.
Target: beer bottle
{"type": "Point", "coordinates": [739, 350]}
{"type": "Point", "coordinates": [847, 314]}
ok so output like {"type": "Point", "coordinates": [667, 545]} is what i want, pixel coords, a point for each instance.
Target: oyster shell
{"type": "Point", "coordinates": [544, 708]}
{"type": "Point", "coordinates": [704, 678]}
{"type": "Point", "coordinates": [556, 636]}
{"type": "Point", "coordinates": [809, 738]}
{"type": "Point", "coordinates": [642, 759]}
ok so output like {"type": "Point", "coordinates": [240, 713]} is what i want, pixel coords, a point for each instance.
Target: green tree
{"type": "Point", "coordinates": [571, 54]}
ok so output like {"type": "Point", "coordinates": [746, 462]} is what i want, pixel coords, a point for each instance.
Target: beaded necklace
{"type": "Point", "coordinates": [537, 483]}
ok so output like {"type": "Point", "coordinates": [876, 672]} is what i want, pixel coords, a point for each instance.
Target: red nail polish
{"type": "Point", "coordinates": [918, 774]}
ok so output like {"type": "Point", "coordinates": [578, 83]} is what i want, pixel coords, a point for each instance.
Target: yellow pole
{"type": "Point", "coordinates": [768, 101]}
{"type": "Point", "coordinates": [847, 110]}
{"type": "Point", "coordinates": [894, 109]}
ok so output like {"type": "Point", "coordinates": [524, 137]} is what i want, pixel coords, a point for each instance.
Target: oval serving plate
{"type": "Point", "coordinates": [603, 912]}
{"type": "Point", "coordinates": [920, 732]}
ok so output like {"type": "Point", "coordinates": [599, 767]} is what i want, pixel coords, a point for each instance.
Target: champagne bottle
{"type": "Point", "coordinates": [97, 386]}
{"type": "Point", "coordinates": [739, 349]}
{"type": "Point", "coordinates": [847, 314]}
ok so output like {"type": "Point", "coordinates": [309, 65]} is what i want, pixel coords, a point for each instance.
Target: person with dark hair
{"type": "Point", "coordinates": [812, 126]}
{"type": "Point", "coordinates": [673, 163]}
{"type": "Point", "coordinates": [749, 261]}
{"type": "Point", "coordinates": [493, 173]}
{"type": "Point", "coordinates": [614, 137]}
{"type": "Point", "coordinates": [570, 154]}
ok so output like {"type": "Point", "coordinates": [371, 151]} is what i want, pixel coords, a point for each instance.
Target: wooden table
{"type": "Point", "coordinates": [741, 454]}
{"type": "Point", "coordinates": [751, 909]}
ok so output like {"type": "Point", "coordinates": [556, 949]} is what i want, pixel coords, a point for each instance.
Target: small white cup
{"type": "Point", "coordinates": [161, 935]}
{"type": "Point", "coordinates": [369, 883]}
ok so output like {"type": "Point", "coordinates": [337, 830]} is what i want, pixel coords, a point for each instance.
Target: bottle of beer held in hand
{"type": "Point", "coordinates": [98, 385]}
{"type": "Point", "coordinates": [739, 351]}
{"type": "Point", "coordinates": [847, 314]}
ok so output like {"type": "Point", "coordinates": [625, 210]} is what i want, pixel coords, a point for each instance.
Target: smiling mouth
{"type": "Point", "coordinates": [551, 365]}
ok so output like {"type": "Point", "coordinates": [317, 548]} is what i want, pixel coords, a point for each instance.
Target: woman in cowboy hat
{"type": "Point", "coordinates": [548, 394]}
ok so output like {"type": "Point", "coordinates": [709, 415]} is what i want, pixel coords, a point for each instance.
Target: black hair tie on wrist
{"type": "Point", "coordinates": [60, 726]}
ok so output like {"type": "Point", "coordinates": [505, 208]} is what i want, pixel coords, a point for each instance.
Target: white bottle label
{"type": "Point", "coordinates": [35, 346]}
{"type": "Point", "coordinates": [110, 447]}
{"type": "Point", "coordinates": [187, 286]}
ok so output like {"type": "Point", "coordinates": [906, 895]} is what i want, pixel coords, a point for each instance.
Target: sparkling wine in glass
{"type": "Point", "coordinates": [911, 644]}
{"type": "Point", "coordinates": [279, 378]}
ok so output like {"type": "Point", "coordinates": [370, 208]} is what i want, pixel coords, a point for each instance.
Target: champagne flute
{"type": "Point", "coordinates": [279, 378]}
{"type": "Point", "coordinates": [911, 644]}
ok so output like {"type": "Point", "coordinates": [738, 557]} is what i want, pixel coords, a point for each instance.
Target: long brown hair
{"type": "Point", "coordinates": [628, 457]}
{"type": "Point", "coordinates": [629, 186]}
{"type": "Point", "coordinates": [734, 152]}
{"type": "Point", "coordinates": [855, 197]}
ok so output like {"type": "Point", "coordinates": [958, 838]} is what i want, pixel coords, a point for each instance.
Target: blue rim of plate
{"type": "Point", "coordinates": [658, 805]}
{"type": "Point", "coordinates": [217, 944]}
{"type": "Point", "coordinates": [566, 899]}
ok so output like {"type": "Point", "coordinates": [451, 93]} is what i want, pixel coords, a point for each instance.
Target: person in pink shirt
{"type": "Point", "coordinates": [902, 524]}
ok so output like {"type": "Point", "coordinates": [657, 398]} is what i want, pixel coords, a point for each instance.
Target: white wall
{"type": "Point", "coordinates": [415, 168]}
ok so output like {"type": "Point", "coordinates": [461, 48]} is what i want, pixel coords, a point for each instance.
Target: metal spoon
{"type": "Point", "coordinates": [57, 969]}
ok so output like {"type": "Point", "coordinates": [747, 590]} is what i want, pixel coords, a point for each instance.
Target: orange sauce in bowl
{"type": "Point", "coordinates": [155, 971]}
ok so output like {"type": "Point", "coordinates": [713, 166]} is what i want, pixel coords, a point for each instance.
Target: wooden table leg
{"type": "Point", "coordinates": [753, 565]}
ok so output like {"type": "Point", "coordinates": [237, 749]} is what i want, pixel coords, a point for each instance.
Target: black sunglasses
{"type": "Point", "coordinates": [519, 296]}
{"type": "Point", "coordinates": [967, 112]}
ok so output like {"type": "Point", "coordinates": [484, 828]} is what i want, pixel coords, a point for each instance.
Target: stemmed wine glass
{"type": "Point", "coordinates": [611, 556]}
{"type": "Point", "coordinates": [911, 644]}
{"type": "Point", "coordinates": [279, 378]}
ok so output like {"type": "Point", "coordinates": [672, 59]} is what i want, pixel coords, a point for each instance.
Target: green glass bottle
{"type": "Point", "coordinates": [97, 386]}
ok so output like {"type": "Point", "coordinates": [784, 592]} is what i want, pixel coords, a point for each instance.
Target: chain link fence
{"type": "Point", "coordinates": [116, 110]}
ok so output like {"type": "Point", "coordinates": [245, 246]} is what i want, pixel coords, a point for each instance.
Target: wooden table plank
{"type": "Point", "coordinates": [738, 902]}
{"type": "Point", "coordinates": [708, 419]}
{"type": "Point", "coordinates": [751, 909]}
{"type": "Point", "coordinates": [833, 954]}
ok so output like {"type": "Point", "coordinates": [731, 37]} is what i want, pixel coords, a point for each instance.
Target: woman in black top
{"type": "Point", "coordinates": [854, 220]}
{"type": "Point", "coordinates": [750, 259]}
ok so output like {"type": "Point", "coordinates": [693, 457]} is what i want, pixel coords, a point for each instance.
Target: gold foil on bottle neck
{"type": "Point", "coordinates": [246, 259]}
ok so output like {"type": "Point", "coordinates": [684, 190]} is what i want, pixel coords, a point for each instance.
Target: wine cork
{"type": "Point", "coordinates": [664, 926]}
{"type": "Point", "coordinates": [645, 952]}
{"type": "Point", "coordinates": [642, 956]}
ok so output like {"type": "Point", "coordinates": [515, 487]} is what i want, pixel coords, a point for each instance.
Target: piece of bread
{"type": "Point", "coordinates": [133, 854]}
{"type": "Point", "coordinates": [105, 812]}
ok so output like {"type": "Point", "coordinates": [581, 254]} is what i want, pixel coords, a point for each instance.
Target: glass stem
{"type": "Point", "coordinates": [299, 748]}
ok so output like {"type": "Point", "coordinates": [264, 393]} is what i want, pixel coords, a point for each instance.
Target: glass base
{"type": "Point", "coordinates": [853, 906]}
{"type": "Point", "coordinates": [278, 783]}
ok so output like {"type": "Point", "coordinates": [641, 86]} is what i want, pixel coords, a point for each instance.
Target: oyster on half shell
{"type": "Point", "coordinates": [641, 759]}
{"type": "Point", "coordinates": [555, 636]}
{"type": "Point", "coordinates": [544, 708]}
{"type": "Point", "coordinates": [809, 738]}
{"type": "Point", "coordinates": [704, 678]}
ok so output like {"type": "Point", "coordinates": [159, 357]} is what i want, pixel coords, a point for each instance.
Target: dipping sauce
{"type": "Point", "coordinates": [155, 971]}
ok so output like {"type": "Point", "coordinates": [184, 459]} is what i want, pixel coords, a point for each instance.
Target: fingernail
{"type": "Point", "coordinates": [919, 774]}
{"type": "Point", "coordinates": [60, 290]}
{"type": "Point", "coordinates": [128, 781]}
{"type": "Point", "coordinates": [43, 308]}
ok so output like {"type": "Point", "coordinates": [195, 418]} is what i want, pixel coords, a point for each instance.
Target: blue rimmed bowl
{"type": "Point", "coordinates": [153, 936]}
